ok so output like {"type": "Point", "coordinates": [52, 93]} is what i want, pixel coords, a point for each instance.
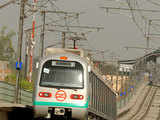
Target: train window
{"type": "Point", "coordinates": [62, 74]}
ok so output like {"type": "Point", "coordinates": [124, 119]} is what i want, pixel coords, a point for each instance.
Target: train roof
{"type": "Point", "coordinates": [51, 51]}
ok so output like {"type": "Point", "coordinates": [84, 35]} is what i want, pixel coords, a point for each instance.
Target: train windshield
{"type": "Point", "coordinates": [62, 74]}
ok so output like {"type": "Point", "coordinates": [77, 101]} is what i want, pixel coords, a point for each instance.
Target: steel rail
{"type": "Point", "coordinates": [145, 106]}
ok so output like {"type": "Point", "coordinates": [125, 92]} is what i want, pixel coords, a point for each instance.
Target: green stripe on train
{"type": "Point", "coordinates": [57, 104]}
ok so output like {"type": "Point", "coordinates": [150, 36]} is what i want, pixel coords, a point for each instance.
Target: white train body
{"type": "Point", "coordinates": [65, 88]}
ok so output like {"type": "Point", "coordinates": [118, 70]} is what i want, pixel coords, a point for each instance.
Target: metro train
{"type": "Point", "coordinates": [68, 87]}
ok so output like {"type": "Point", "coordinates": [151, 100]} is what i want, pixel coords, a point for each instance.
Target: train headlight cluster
{"type": "Point", "coordinates": [45, 94]}
{"type": "Point", "coordinates": [77, 96]}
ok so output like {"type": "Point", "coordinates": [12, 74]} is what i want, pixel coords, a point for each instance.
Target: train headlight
{"type": "Point", "coordinates": [76, 96]}
{"type": "Point", "coordinates": [45, 94]}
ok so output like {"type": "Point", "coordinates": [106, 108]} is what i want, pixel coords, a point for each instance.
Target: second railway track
{"type": "Point", "coordinates": [153, 111]}
{"type": "Point", "coordinates": [150, 109]}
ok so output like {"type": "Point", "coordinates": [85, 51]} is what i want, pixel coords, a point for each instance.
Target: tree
{"type": "Point", "coordinates": [6, 48]}
{"type": "Point", "coordinates": [109, 68]}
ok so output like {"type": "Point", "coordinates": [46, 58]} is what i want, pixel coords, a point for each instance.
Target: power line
{"type": "Point", "coordinates": [8, 3]}
{"type": "Point", "coordinates": [143, 48]}
{"type": "Point", "coordinates": [154, 3]}
{"type": "Point", "coordinates": [127, 9]}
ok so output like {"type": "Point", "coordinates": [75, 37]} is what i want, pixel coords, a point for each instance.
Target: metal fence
{"type": "Point", "coordinates": [154, 73]}
{"type": "Point", "coordinates": [130, 82]}
{"type": "Point", "coordinates": [7, 94]}
{"type": "Point", "coordinates": [132, 79]}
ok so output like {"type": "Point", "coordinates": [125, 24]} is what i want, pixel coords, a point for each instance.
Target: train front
{"type": "Point", "coordinates": [60, 91]}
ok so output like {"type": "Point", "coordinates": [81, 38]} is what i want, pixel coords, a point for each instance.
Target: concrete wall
{"type": "Point", "coordinates": [7, 94]}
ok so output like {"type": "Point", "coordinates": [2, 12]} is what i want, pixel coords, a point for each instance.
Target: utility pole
{"type": "Point", "coordinates": [8, 3]}
{"type": "Point", "coordinates": [32, 40]}
{"type": "Point", "coordinates": [147, 44]}
{"type": "Point", "coordinates": [63, 39]}
{"type": "Point", "coordinates": [42, 33]}
{"type": "Point", "coordinates": [75, 39]}
{"type": "Point", "coordinates": [27, 44]}
{"type": "Point", "coordinates": [117, 76]}
{"type": "Point", "coordinates": [19, 50]}
{"type": "Point", "coordinates": [74, 44]}
{"type": "Point", "coordinates": [148, 37]}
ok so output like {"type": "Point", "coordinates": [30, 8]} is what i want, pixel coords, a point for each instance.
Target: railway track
{"type": "Point", "coordinates": [150, 108]}
{"type": "Point", "coordinates": [153, 111]}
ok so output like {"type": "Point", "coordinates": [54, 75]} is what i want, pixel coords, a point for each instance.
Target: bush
{"type": "Point", "coordinates": [24, 84]}
{"type": "Point", "coordinates": [11, 79]}
{"type": "Point", "coordinates": [27, 85]}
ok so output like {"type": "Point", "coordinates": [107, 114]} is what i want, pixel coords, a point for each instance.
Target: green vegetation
{"type": "Point", "coordinates": [6, 48]}
{"type": "Point", "coordinates": [7, 53]}
{"type": "Point", "coordinates": [11, 79]}
{"type": "Point", "coordinates": [26, 85]}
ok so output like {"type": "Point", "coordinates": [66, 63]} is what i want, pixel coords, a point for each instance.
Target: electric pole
{"type": "Point", "coordinates": [148, 37]}
{"type": "Point", "coordinates": [19, 50]}
{"type": "Point", "coordinates": [75, 39]}
{"type": "Point", "coordinates": [63, 39]}
{"type": "Point", "coordinates": [27, 44]}
{"type": "Point", "coordinates": [42, 33]}
{"type": "Point", "coordinates": [8, 3]}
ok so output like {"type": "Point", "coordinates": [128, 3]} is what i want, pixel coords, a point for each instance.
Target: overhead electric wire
{"type": "Point", "coordinates": [133, 17]}
{"type": "Point", "coordinates": [8, 3]}
{"type": "Point", "coordinates": [154, 3]}
{"type": "Point", "coordinates": [143, 17]}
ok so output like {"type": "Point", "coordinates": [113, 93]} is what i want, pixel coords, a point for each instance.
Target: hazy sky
{"type": "Point", "coordinates": [119, 29]}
